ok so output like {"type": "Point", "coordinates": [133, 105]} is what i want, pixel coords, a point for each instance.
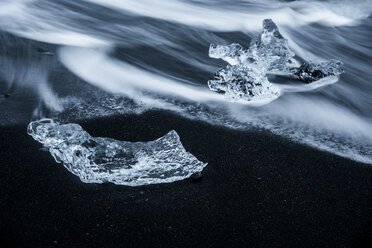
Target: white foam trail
{"type": "Point", "coordinates": [225, 19]}
{"type": "Point", "coordinates": [21, 19]}
{"type": "Point", "coordinates": [323, 114]}
{"type": "Point", "coordinates": [316, 122]}
{"type": "Point", "coordinates": [307, 87]}
{"type": "Point", "coordinates": [32, 75]}
{"type": "Point", "coordinates": [64, 37]}
{"type": "Point", "coordinates": [97, 68]}
{"type": "Point", "coordinates": [50, 99]}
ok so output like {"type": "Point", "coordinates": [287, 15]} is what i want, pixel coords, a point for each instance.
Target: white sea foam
{"type": "Point", "coordinates": [23, 19]}
{"type": "Point", "coordinates": [225, 19]}
{"type": "Point", "coordinates": [97, 68]}
{"type": "Point", "coordinates": [32, 75]}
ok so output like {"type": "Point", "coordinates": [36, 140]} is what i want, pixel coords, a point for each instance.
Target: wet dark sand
{"type": "Point", "coordinates": [258, 190]}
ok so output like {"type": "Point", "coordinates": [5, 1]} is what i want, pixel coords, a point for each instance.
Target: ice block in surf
{"type": "Point", "coordinates": [245, 78]}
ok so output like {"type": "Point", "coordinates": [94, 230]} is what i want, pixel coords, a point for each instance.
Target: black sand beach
{"type": "Point", "coordinates": [258, 190]}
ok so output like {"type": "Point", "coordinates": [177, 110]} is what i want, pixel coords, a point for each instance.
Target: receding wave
{"type": "Point", "coordinates": [140, 55]}
{"type": "Point", "coordinates": [228, 17]}
{"type": "Point", "coordinates": [309, 119]}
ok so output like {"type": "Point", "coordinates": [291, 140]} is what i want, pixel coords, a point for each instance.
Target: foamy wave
{"type": "Point", "coordinates": [227, 19]}
{"type": "Point", "coordinates": [97, 68]}
{"type": "Point", "coordinates": [23, 19]}
{"type": "Point", "coordinates": [310, 120]}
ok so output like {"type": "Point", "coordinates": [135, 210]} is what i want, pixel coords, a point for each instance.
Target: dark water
{"type": "Point", "coordinates": [84, 59]}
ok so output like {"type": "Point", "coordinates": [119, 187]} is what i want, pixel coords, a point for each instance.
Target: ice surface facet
{"type": "Point", "coordinates": [243, 83]}
{"type": "Point", "coordinates": [245, 76]}
{"type": "Point", "coordinates": [232, 54]}
{"type": "Point", "coordinates": [98, 160]}
{"type": "Point", "coordinates": [271, 47]}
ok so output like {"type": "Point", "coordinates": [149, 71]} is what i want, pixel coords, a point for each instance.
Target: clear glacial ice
{"type": "Point", "coordinates": [99, 160]}
{"type": "Point", "coordinates": [310, 72]}
{"type": "Point", "coordinates": [245, 78]}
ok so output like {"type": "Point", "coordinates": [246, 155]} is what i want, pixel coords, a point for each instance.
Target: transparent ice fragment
{"type": "Point", "coordinates": [310, 72]}
{"type": "Point", "coordinates": [245, 78]}
{"type": "Point", "coordinates": [98, 160]}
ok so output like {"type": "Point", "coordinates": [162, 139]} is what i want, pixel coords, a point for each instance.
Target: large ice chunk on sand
{"type": "Point", "coordinates": [98, 160]}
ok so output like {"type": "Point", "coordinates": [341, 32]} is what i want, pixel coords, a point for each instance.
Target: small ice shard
{"type": "Point", "coordinates": [310, 72]}
{"type": "Point", "coordinates": [99, 160]}
{"type": "Point", "coordinates": [245, 78]}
